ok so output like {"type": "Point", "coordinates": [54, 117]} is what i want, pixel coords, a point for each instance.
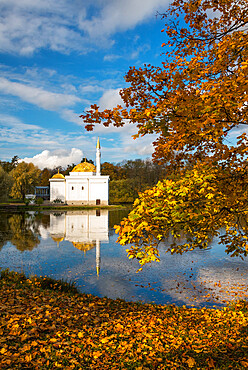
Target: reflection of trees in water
{"type": "Point", "coordinates": [181, 239]}
{"type": "Point", "coordinates": [115, 217]}
{"type": "Point", "coordinates": [5, 232]}
{"type": "Point", "coordinates": [43, 219]}
{"type": "Point", "coordinates": [23, 232]}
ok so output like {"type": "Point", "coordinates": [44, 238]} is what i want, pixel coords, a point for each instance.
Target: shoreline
{"type": "Point", "coordinates": [61, 207]}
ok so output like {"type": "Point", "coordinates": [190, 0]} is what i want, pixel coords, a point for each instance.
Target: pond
{"type": "Point", "coordinates": [81, 246]}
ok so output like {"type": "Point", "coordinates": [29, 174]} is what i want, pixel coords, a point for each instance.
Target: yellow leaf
{"type": "Point", "coordinates": [191, 362]}
{"type": "Point", "coordinates": [24, 336]}
{"type": "Point", "coordinates": [28, 358]}
{"type": "Point", "coordinates": [104, 340]}
{"type": "Point", "coordinates": [118, 327]}
{"type": "Point", "coordinates": [26, 347]}
{"type": "Point", "coordinates": [97, 354]}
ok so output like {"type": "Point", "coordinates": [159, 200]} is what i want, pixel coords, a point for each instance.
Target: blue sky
{"type": "Point", "coordinates": [57, 58]}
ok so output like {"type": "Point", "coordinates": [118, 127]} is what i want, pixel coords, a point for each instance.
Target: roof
{"type": "Point", "coordinates": [84, 167]}
{"type": "Point", "coordinates": [58, 176]}
{"type": "Point", "coordinates": [84, 246]}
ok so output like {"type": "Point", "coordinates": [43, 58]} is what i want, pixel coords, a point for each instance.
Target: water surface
{"type": "Point", "coordinates": [81, 246]}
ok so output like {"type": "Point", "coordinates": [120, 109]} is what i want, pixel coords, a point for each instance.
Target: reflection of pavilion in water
{"type": "Point", "coordinates": [84, 229]}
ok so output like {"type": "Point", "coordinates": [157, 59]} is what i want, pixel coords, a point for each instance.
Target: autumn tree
{"type": "Point", "coordinates": [9, 166]}
{"type": "Point", "coordinates": [23, 231]}
{"type": "Point", "coordinates": [196, 102]}
{"type": "Point", "coordinates": [26, 177]}
{"type": "Point", "coordinates": [45, 175]}
{"type": "Point", "coordinates": [114, 171]}
{"type": "Point", "coordinates": [143, 172]}
{"type": "Point", "coordinates": [6, 183]}
{"type": "Point", "coordinates": [128, 178]}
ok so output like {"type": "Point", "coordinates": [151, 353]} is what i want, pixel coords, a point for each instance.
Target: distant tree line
{"type": "Point", "coordinates": [127, 178]}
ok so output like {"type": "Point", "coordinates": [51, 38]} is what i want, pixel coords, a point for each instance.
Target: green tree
{"type": "Point", "coordinates": [122, 191]}
{"type": "Point", "coordinates": [26, 176]}
{"type": "Point", "coordinates": [191, 102]}
{"type": "Point", "coordinates": [6, 183]}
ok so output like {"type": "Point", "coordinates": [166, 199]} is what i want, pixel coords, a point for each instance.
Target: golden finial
{"type": "Point", "coordinates": [98, 144]}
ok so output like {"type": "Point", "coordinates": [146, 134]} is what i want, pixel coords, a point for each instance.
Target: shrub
{"type": "Point", "coordinates": [58, 200]}
{"type": "Point", "coordinates": [39, 201]}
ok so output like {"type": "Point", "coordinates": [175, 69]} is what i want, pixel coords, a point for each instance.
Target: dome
{"type": "Point", "coordinates": [58, 176]}
{"type": "Point", "coordinates": [84, 167]}
{"type": "Point", "coordinates": [84, 246]}
{"type": "Point", "coordinates": [57, 238]}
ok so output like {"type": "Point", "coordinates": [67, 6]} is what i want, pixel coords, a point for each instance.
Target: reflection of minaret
{"type": "Point", "coordinates": [98, 256]}
{"type": "Point", "coordinates": [98, 158]}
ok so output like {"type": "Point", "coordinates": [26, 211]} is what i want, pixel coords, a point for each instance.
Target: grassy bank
{"type": "Point", "coordinates": [48, 325]}
{"type": "Point", "coordinates": [51, 206]}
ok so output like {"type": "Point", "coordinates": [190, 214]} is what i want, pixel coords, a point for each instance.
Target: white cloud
{"type": "Point", "coordinates": [235, 132]}
{"type": "Point", "coordinates": [11, 121]}
{"type": "Point", "coordinates": [110, 99]}
{"type": "Point", "coordinates": [122, 15]}
{"type": "Point", "coordinates": [37, 96]}
{"type": "Point", "coordinates": [70, 116]}
{"type": "Point", "coordinates": [51, 159]}
{"type": "Point", "coordinates": [91, 88]}
{"type": "Point", "coordinates": [30, 25]}
{"type": "Point", "coordinates": [142, 146]}
{"type": "Point", "coordinates": [111, 57]}
{"type": "Point", "coordinates": [63, 26]}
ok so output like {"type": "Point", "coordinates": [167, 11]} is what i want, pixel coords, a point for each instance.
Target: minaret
{"type": "Point", "coordinates": [98, 158]}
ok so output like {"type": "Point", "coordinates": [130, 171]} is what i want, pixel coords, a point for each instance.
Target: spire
{"type": "Point", "coordinates": [98, 144]}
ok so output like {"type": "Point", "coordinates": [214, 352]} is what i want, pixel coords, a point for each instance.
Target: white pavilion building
{"type": "Point", "coordinates": [83, 186]}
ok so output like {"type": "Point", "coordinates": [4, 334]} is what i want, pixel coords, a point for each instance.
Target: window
{"type": "Point", "coordinates": [82, 188]}
{"type": "Point", "coordinates": [72, 188]}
